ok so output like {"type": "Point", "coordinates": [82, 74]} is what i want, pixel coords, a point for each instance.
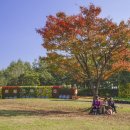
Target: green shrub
{"type": "Point", "coordinates": [102, 92]}
{"type": "Point", "coordinates": [47, 91]}
{"type": "Point", "coordinates": [27, 91]}
{"type": "Point", "coordinates": [108, 92]}
{"type": "Point", "coordinates": [0, 92]}
{"type": "Point", "coordinates": [39, 91]}
{"type": "Point", "coordinates": [65, 91]}
{"type": "Point", "coordinates": [124, 90]}
{"type": "Point", "coordinates": [44, 91]}
{"type": "Point", "coordinates": [84, 92]}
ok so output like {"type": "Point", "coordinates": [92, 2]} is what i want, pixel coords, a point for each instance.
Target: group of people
{"type": "Point", "coordinates": [105, 106]}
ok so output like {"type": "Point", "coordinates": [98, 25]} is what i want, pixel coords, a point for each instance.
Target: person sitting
{"type": "Point", "coordinates": [109, 110]}
{"type": "Point", "coordinates": [96, 106]}
{"type": "Point", "coordinates": [111, 104]}
{"type": "Point", "coordinates": [104, 105]}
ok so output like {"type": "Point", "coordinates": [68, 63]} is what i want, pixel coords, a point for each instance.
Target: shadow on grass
{"type": "Point", "coordinates": [8, 113]}
{"type": "Point", "coordinates": [70, 100]}
{"type": "Point", "coordinates": [86, 110]}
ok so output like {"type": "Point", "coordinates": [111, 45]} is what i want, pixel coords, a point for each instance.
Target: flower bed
{"type": "Point", "coordinates": [56, 91]}
{"type": "Point", "coordinates": [65, 93]}
{"type": "Point", "coordinates": [10, 92]}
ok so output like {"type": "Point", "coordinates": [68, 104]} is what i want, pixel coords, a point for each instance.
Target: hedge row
{"type": "Point", "coordinates": [0, 92]}
{"type": "Point", "coordinates": [124, 90]}
{"type": "Point", "coordinates": [49, 91]}
{"type": "Point", "coordinates": [25, 91]}
{"type": "Point", "coordinates": [36, 92]}
{"type": "Point", "coordinates": [45, 91]}
{"type": "Point", "coordinates": [102, 92]}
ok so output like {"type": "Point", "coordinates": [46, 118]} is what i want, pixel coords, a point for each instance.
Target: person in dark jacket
{"type": "Point", "coordinates": [111, 103]}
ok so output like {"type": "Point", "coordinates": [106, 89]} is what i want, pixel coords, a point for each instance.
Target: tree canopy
{"type": "Point", "coordinates": [89, 47]}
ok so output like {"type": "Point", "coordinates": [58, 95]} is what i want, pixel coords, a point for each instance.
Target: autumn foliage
{"type": "Point", "coordinates": [88, 46]}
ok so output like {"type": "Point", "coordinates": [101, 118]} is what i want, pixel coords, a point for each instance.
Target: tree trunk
{"type": "Point", "coordinates": [92, 87]}
{"type": "Point", "coordinates": [96, 91]}
{"type": "Point", "coordinates": [95, 88]}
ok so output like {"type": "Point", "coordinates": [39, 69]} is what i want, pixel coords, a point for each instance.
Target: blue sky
{"type": "Point", "coordinates": [20, 18]}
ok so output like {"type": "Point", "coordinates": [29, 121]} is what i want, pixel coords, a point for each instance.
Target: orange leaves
{"type": "Point", "coordinates": [121, 65]}
{"type": "Point", "coordinates": [97, 47]}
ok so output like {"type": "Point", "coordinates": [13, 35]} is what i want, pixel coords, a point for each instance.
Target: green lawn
{"type": "Point", "coordinates": [122, 99]}
{"type": "Point", "coordinates": [56, 114]}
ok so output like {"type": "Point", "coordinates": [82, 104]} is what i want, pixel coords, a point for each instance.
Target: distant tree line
{"type": "Point", "coordinates": [39, 73]}
{"type": "Point", "coordinates": [24, 74]}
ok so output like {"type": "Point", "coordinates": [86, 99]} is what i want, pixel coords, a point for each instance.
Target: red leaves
{"type": "Point", "coordinates": [62, 23]}
{"type": "Point", "coordinates": [91, 12]}
{"type": "Point", "coordinates": [57, 87]}
{"type": "Point", "coordinates": [10, 87]}
{"type": "Point", "coordinates": [96, 44]}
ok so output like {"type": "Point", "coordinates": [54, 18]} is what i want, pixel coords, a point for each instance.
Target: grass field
{"type": "Point", "coordinates": [57, 114]}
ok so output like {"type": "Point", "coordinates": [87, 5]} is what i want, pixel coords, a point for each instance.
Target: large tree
{"type": "Point", "coordinates": [91, 47]}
